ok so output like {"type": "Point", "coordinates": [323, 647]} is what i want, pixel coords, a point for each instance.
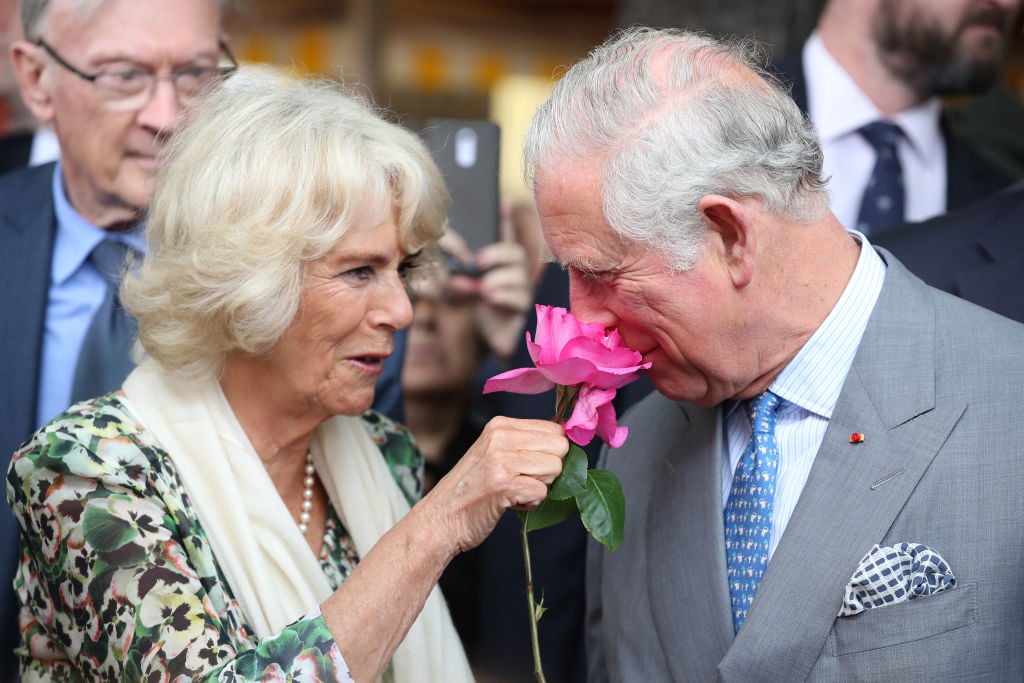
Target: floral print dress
{"type": "Point", "coordinates": [117, 579]}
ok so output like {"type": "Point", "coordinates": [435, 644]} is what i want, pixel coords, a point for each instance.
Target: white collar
{"type": "Point", "coordinates": [837, 107]}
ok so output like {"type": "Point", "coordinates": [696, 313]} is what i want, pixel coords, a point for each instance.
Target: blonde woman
{"type": "Point", "coordinates": [234, 512]}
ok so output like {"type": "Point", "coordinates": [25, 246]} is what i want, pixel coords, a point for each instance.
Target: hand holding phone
{"type": "Point", "coordinates": [467, 152]}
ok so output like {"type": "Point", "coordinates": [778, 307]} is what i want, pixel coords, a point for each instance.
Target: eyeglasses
{"type": "Point", "coordinates": [130, 88]}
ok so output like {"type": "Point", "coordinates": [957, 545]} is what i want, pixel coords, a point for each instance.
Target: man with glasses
{"type": "Point", "coordinates": [113, 78]}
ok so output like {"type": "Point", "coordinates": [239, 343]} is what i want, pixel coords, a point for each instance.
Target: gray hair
{"type": "Point", "coordinates": [673, 118]}
{"type": "Point", "coordinates": [35, 13]}
{"type": "Point", "coordinates": [268, 174]}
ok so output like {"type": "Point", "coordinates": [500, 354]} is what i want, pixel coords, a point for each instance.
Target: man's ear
{"type": "Point", "coordinates": [731, 222]}
{"type": "Point", "coordinates": [29, 65]}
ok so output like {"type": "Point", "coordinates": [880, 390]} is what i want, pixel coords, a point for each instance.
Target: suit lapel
{"type": "Point", "coordinates": [689, 596]}
{"type": "Point", "coordinates": [854, 491]}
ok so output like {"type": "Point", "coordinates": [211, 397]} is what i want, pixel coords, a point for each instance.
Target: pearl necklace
{"type": "Point", "coordinates": [307, 494]}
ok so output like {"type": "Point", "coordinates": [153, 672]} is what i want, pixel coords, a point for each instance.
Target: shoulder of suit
{"type": "Point", "coordinates": [965, 222]}
{"type": "Point", "coordinates": [30, 177]}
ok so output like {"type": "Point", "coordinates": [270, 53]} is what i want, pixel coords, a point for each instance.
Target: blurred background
{"type": "Point", "coordinates": [489, 59]}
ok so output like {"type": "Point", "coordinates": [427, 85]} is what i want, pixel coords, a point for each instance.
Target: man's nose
{"type": "Point", "coordinates": [160, 113]}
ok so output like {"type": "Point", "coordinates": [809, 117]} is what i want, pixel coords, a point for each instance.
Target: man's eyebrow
{"type": "Point", "coordinates": [579, 263]}
{"type": "Point", "coordinates": [101, 59]}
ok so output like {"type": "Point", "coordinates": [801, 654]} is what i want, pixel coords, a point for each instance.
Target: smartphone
{"type": "Point", "coordinates": [466, 150]}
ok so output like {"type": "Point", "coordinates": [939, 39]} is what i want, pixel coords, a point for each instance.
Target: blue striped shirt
{"type": "Point", "coordinates": [809, 387]}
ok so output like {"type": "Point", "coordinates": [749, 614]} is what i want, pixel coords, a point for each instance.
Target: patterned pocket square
{"type": "Point", "coordinates": [892, 574]}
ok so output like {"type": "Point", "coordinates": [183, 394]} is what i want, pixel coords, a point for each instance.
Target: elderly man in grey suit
{"type": "Point", "coordinates": [827, 483]}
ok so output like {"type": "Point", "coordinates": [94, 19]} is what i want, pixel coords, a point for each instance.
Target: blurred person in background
{"type": "Point", "coordinates": [236, 511]}
{"type": "Point", "coordinates": [526, 226]}
{"type": "Point", "coordinates": [21, 142]}
{"type": "Point", "coordinates": [111, 77]}
{"type": "Point", "coordinates": [458, 321]}
{"type": "Point", "coordinates": [447, 350]}
{"type": "Point", "coordinates": [870, 78]}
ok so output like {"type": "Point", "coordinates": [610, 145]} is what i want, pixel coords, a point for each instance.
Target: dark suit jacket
{"type": "Point", "coordinates": [15, 150]}
{"type": "Point", "coordinates": [976, 253]}
{"type": "Point", "coordinates": [27, 229]}
{"type": "Point", "coordinates": [970, 176]}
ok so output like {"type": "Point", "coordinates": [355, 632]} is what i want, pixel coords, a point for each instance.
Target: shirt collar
{"type": "Point", "coordinates": [837, 107]}
{"type": "Point", "coordinates": [815, 376]}
{"type": "Point", "coordinates": [76, 236]}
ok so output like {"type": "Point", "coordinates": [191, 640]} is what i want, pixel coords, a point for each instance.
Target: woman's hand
{"type": "Point", "coordinates": [511, 465]}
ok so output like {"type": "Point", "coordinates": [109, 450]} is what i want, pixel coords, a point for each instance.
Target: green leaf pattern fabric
{"type": "Point", "coordinates": [117, 579]}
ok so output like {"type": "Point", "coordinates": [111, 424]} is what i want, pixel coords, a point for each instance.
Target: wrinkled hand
{"type": "Point", "coordinates": [511, 465]}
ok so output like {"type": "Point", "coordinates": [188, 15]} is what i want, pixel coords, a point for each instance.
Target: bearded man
{"type": "Point", "coordinates": [870, 78]}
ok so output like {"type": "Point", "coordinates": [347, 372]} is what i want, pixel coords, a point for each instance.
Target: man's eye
{"type": "Point", "coordinates": [589, 275]}
{"type": "Point", "coordinates": [125, 80]}
{"type": "Point", "coordinates": [130, 75]}
{"type": "Point", "coordinates": [193, 78]}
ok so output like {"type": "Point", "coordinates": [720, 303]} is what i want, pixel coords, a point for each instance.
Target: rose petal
{"type": "Point", "coordinates": [572, 371]}
{"type": "Point", "coordinates": [607, 427]}
{"type": "Point", "coordinates": [615, 367]}
{"type": "Point", "coordinates": [519, 381]}
{"type": "Point", "coordinates": [562, 327]}
{"type": "Point", "coordinates": [591, 414]}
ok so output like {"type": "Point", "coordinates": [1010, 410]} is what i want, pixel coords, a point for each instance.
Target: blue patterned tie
{"type": "Point", "coordinates": [882, 205]}
{"type": "Point", "coordinates": [748, 512]}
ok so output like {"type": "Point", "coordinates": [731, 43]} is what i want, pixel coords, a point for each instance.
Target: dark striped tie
{"type": "Point", "coordinates": [105, 357]}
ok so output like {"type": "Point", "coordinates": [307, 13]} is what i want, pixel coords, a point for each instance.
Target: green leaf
{"type": "Point", "coordinates": [105, 531]}
{"type": "Point", "coordinates": [539, 611]}
{"type": "Point", "coordinates": [603, 508]}
{"type": "Point", "coordinates": [548, 513]}
{"type": "Point", "coordinates": [573, 479]}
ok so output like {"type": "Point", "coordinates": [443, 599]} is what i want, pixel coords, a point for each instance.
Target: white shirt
{"type": "Point", "coordinates": [45, 146]}
{"type": "Point", "coordinates": [809, 387]}
{"type": "Point", "coordinates": [837, 108]}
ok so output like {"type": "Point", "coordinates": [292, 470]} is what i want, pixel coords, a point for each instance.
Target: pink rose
{"type": "Point", "coordinates": [569, 353]}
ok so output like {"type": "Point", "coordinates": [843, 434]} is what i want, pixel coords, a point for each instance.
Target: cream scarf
{"type": "Point", "coordinates": [268, 564]}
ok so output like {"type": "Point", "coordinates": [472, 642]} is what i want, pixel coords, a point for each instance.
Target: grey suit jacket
{"type": "Point", "coordinates": [935, 388]}
{"type": "Point", "coordinates": [27, 227]}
